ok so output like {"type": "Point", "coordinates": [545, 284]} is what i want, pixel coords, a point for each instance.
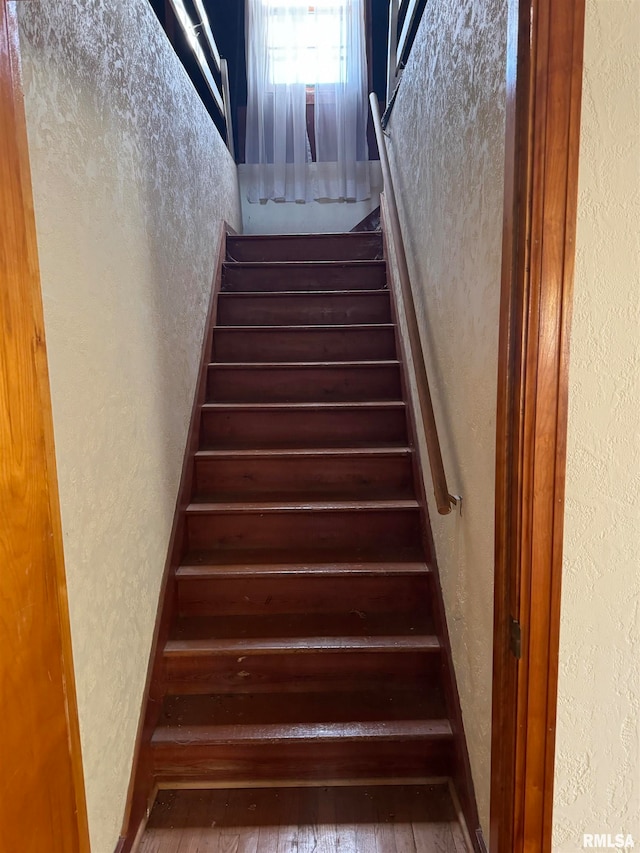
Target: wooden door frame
{"type": "Point", "coordinates": [43, 799]}
{"type": "Point", "coordinates": [544, 84]}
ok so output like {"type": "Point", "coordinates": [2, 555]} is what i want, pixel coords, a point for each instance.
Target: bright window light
{"type": "Point", "coordinates": [316, 57]}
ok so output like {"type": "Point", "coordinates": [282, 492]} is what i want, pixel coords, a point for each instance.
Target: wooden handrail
{"type": "Point", "coordinates": [206, 29]}
{"type": "Point", "coordinates": [444, 500]}
{"type": "Point", "coordinates": [409, 19]}
{"type": "Point", "coordinates": [392, 48]}
{"type": "Point", "coordinates": [226, 95]}
{"type": "Point", "coordinates": [189, 30]}
{"type": "Point", "coordinates": [222, 99]}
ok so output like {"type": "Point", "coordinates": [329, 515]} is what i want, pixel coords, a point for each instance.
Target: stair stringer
{"type": "Point", "coordinates": [142, 786]}
{"type": "Point", "coordinates": [462, 778]}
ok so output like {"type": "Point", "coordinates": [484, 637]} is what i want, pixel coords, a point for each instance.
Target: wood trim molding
{"type": "Point", "coordinates": [142, 787]}
{"type": "Point", "coordinates": [42, 800]}
{"type": "Point", "coordinates": [544, 81]}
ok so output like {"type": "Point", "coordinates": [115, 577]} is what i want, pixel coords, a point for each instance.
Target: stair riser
{"type": "Point", "coordinates": [355, 247]}
{"type": "Point", "coordinates": [265, 345]}
{"type": "Point", "coordinates": [301, 385]}
{"type": "Point", "coordinates": [307, 594]}
{"type": "Point", "coordinates": [304, 309]}
{"type": "Point", "coordinates": [303, 529]}
{"type": "Point", "coordinates": [239, 279]}
{"type": "Point", "coordinates": [252, 673]}
{"type": "Point", "coordinates": [346, 478]}
{"type": "Point", "coordinates": [401, 705]}
{"type": "Point", "coordinates": [272, 429]}
{"type": "Point", "coordinates": [267, 762]}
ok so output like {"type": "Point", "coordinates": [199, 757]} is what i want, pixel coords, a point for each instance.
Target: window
{"type": "Point", "coordinates": [306, 50]}
{"type": "Point", "coordinates": [317, 45]}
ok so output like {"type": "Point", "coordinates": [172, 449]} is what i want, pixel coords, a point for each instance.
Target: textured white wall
{"type": "Point", "coordinates": [598, 736]}
{"type": "Point", "coordinates": [131, 181]}
{"type": "Point", "coordinates": [447, 151]}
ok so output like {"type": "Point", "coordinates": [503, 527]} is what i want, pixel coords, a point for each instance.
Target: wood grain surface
{"type": "Point", "coordinates": [384, 819]}
{"type": "Point", "coordinates": [544, 78]}
{"type": "Point", "coordinates": [42, 805]}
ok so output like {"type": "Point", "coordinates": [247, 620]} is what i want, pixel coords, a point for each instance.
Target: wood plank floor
{"type": "Point", "coordinates": [372, 819]}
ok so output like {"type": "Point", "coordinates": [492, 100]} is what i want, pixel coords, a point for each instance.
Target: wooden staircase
{"type": "Point", "coordinates": [302, 636]}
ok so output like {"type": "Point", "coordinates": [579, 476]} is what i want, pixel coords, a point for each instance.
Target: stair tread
{"type": "Point", "coordinates": [361, 705]}
{"type": "Point", "coordinates": [305, 327]}
{"type": "Point", "coordinates": [244, 569]}
{"type": "Point", "coordinates": [302, 294]}
{"type": "Point", "coordinates": [358, 264]}
{"type": "Point", "coordinates": [266, 562]}
{"type": "Point", "coordinates": [301, 645]}
{"type": "Point", "coordinates": [312, 236]}
{"type": "Point", "coordinates": [379, 730]}
{"type": "Point", "coordinates": [206, 508]}
{"type": "Point", "coordinates": [324, 406]}
{"type": "Point", "coordinates": [302, 365]}
{"type": "Point", "coordinates": [304, 452]}
{"type": "Point", "coordinates": [198, 629]}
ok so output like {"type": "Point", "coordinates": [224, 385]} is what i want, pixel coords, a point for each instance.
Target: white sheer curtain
{"type": "Point", "coordinates": [295, 48]}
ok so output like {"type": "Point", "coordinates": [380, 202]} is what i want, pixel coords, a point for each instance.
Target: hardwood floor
{"type": "Point", "coordinates": [372, 819]}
